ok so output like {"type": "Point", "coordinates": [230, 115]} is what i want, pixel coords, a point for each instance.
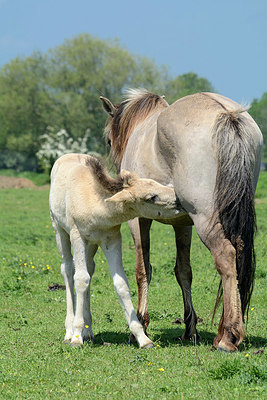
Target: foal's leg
{"type": "Point", "coordinates": [231, 331]}
{"type": "Point", "coordinates": [67, 271]}
{"type": "Point", "coordinates": [82, 282]}
{"type": "Point", "coordinates": [140, 228]}
{"type": "Point", "coordinates": [112, 251]}
{"type": "Point", "coordinates": [183, 275]}
{"type": "Point", "coordinates": [87, 333]}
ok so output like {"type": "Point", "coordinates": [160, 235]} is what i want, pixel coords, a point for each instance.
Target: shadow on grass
{"type": "Point", "coordinates": [172, 337]}
{"type": "Point", "coordinates": [108, 338]}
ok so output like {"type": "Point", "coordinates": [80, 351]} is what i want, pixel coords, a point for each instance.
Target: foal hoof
{"type": "Point", "coordinates": [77, 341]}
{"type": "Point", "coordinates": [148, 346]}
{"type": "Point", "coordinates": [76, 344]}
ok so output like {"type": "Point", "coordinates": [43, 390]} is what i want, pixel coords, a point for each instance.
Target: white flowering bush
{"type": "Point", "coordinates": [55, 144]}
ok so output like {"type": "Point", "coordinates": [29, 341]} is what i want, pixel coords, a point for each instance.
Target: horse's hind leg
{"type": "Point", "coordinates": [231, 331]}
{"type": "Point", "coordinates": [183, 275]}
{"type": "Point", "coordinates": [67, 271]}
{"type": "Point", "coordinates": [87, 334]}
{"type": "Point", "coordinates": [140, 232]}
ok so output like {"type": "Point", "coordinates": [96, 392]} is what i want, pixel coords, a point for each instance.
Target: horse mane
{"type": "Point", "coordinates": [137, 106]}
{"type": "Point", "coordinates": [104, 179]}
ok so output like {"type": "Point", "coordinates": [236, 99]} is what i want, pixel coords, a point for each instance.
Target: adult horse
{"type": "Point", "coordinates": [208, 147]}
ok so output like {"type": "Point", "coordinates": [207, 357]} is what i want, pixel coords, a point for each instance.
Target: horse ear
{"type": "Point", "coordinates": [122, 196]}
{"type": "Point", "coordinates": [108, 106]}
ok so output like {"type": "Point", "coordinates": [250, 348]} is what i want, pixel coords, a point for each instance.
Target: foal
{"type": "Point", "coordinates": [87, 207]}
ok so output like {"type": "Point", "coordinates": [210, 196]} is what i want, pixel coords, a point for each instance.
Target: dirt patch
{"type": "Point", "coordinates": [10, 182]}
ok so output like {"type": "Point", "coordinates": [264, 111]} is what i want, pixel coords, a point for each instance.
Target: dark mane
{"type": "Point", "coordinates": [108, 183]}
{"type": "Point", "coordinates": [129, 113]}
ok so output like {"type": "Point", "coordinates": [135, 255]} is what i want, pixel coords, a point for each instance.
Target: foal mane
{"type": "Point", "coordinates": [137, 106]}
{"type": "Point", "coordinates": [106, 181]}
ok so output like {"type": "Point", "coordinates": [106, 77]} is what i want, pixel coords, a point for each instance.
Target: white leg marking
{"type": "Point", "coordinates": [112, 251]}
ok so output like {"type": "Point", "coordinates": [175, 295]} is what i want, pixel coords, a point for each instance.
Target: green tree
{"type": "Point", "coordinates": [186, 84]}
{"type": "Point", "coordinates": [61, 90]}
{"type": "Point", "coordinates": [258, 111]}
{"type": "Point", "coordinates": [23, 102]}
{"type": "Point", "coordinates": [84, 68]}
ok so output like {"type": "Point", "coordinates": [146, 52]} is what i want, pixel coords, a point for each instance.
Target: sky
{"type": "Point", "coordinates": [223, 41]}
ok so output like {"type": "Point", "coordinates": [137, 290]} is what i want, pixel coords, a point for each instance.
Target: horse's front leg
{"type": "Point", "coordinates": [112, 250]}
{"type": "Point", "coordinates": [183, 273]}
{"type": "Point", "coordinates": [140, 228]}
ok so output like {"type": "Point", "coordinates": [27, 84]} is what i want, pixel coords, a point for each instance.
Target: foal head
{"type": "Point", "coordinates": [145, 197]}
{"type": "Point", "coordinates": [124, 116]}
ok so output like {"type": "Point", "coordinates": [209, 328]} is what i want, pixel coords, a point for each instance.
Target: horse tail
{"type": "Point", "coordinates": [234, 195]}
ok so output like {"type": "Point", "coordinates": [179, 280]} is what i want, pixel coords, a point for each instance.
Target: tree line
{"type": "Point", "coordinates": [60, 90]}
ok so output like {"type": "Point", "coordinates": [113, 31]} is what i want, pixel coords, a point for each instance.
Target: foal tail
{"type": "Point", "coordinates": [234, 195]}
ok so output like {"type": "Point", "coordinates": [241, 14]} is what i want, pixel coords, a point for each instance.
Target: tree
{"type": "Point", "coordinates": [186, 84]}
{"type": "Point", "coordinates": [258, 111]}
{"type": "Point", "coordinates": [23, 101]}
{"type": "Point", "coordinates": [61, 89]}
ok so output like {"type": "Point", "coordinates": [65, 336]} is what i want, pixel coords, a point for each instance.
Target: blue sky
{"type": "Point", "coordinates": [225, 42]}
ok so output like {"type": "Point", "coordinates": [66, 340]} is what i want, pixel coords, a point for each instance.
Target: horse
{"type": "Point", "coordinates": [209, 148]}
{"type": "Point", "coordinates": [87, 207]}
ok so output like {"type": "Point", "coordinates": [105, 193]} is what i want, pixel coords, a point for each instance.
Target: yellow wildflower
{"type": "Point", "coordinates": [86, 326]}
{"type": "Point", "coordinates": [161, 369]}
{"type": "Point", "coordinates": [253, 308]}
{"type": "Point", "coordinates": [149, 363]}
{"type": "Point", "coordinates": [247, 355]}
{"type": "Point", "coordinates": [19, 278]}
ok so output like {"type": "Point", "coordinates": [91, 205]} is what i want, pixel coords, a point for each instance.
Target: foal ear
{"type": "Point", "coordinates": [128, 177]}
{"type": "Point", "coordinates": [108, 106]}
{"type": "Point", "coordinates": [122, 196]}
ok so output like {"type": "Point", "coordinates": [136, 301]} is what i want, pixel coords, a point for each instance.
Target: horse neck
{"type": "Point", "coordinates": [142, 154]}
{"type": "Point", "coordinates": [118, 212]}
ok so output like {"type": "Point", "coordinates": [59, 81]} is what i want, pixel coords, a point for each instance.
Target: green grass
{"type": "Point", "coordinates": [34, 364]}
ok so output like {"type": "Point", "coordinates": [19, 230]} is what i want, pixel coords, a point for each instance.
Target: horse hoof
{"type": "Point", "coordinates": [195, 338]}
{"type": "Point", "coordinates": [76, 344]}
{"type": "Point", "coordinates": [148, 346]}
{"type": "Point", "coordinates": [226, 347]}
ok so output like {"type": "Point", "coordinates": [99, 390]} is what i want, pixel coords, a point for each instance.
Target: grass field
{"type": "Point", "coordinates": [34, 363]}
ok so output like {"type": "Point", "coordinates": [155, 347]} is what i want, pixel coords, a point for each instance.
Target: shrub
{"type": "Point", "coordinates": [55, 144]}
